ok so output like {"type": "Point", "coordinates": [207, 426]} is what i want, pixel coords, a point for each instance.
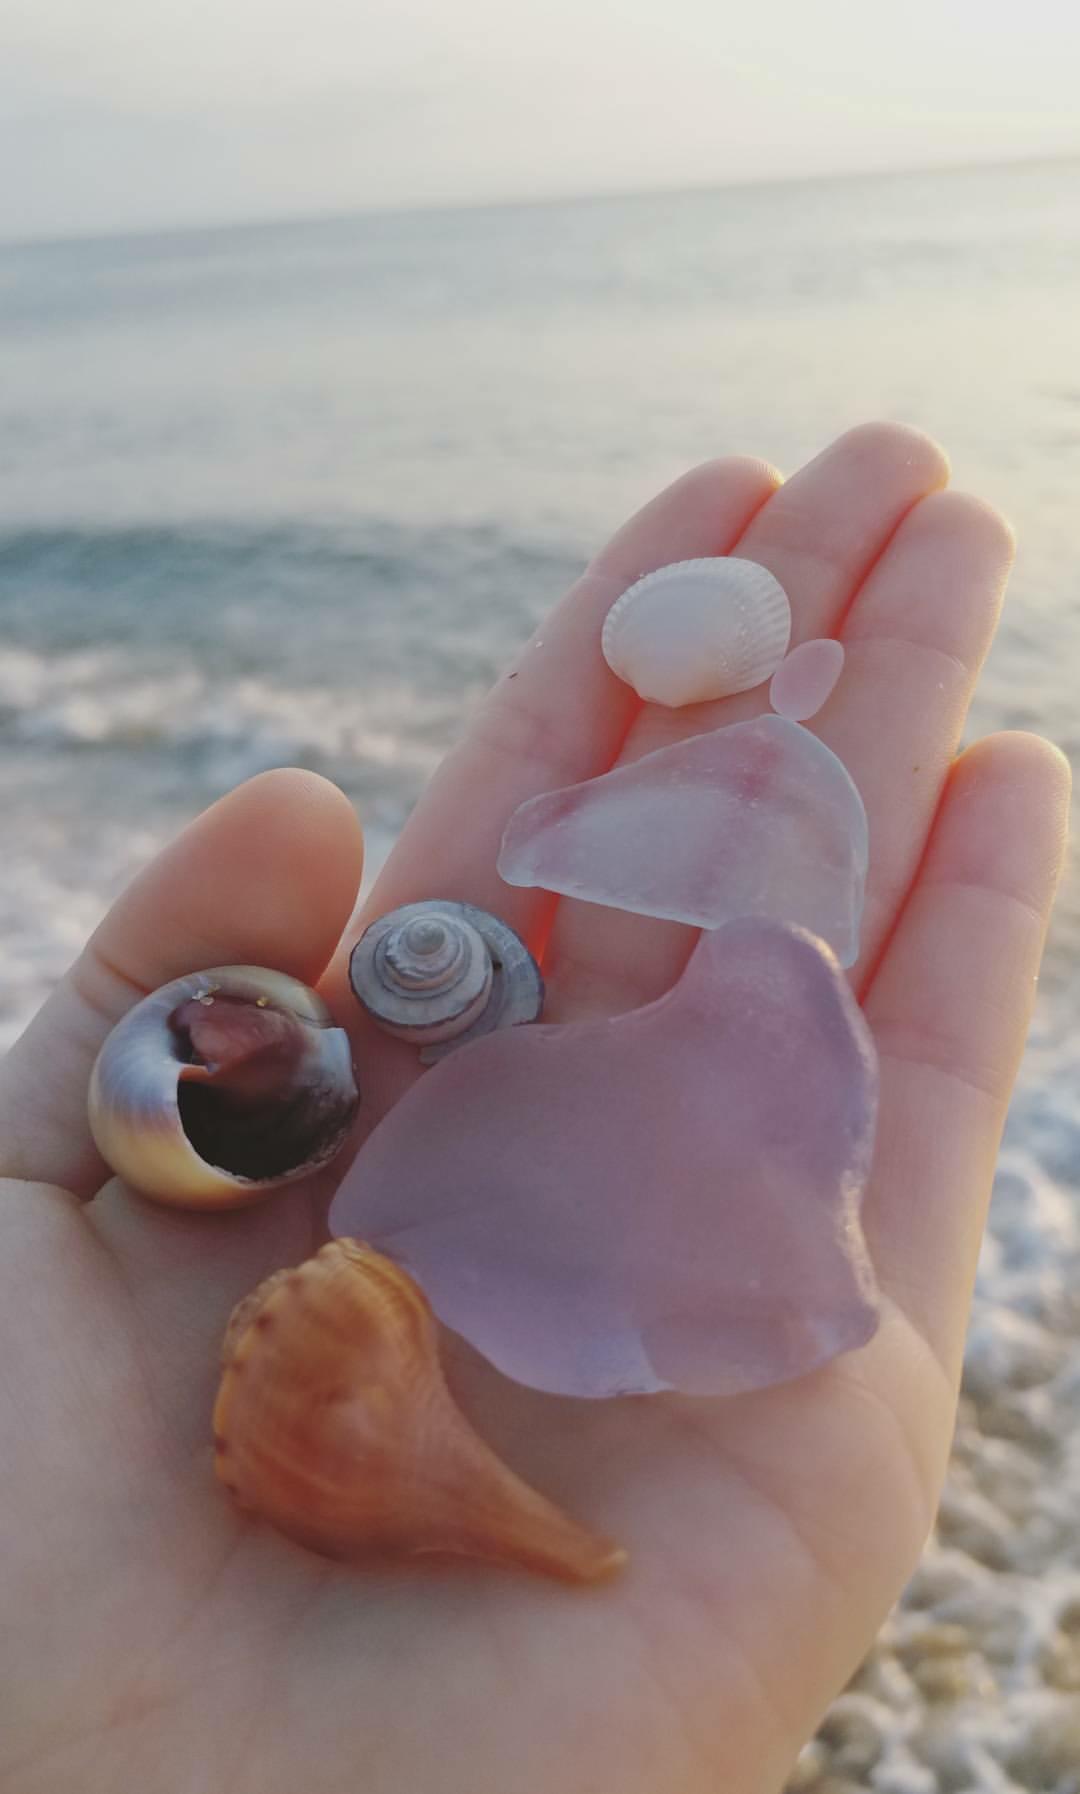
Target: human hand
{"type": "Point", "coordinates": [151, 1637]}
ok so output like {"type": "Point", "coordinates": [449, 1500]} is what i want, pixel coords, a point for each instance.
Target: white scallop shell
{"type": "Point", "coordinates": [697, 630]}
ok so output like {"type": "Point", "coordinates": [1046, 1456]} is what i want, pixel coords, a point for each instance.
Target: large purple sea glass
{"type": "Point", "coordinates": [668, 1199]}
{"type": "Point", "coordinates": [757, 819]}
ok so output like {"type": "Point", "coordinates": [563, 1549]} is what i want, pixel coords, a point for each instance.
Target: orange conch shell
{"type": "Point", "coordinates": [334, 1423]}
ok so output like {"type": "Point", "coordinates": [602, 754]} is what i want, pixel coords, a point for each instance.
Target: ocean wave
{"type": "Point", "coordinates": [99, 554]}
{"type": "Point", "coordinates": [190, 554]}
{"type": "Point", "coordinates": [218, 651]}
{"type": "Point", "coordinates": [104, 699]}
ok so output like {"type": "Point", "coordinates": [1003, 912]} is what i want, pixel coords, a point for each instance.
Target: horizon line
{"type": "Point", "coordinates": [524, 201]}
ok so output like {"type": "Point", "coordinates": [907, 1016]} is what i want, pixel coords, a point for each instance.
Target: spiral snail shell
{"type": "Point", "coordinates": [333, 1422]}
{"type": "Point", "coordinates": [439, 973]}
{"type": "Point", "coordinates": [220, 1086]}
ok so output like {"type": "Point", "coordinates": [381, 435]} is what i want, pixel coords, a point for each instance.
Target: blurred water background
{"type": "Point", "coordinates": [294, 493]}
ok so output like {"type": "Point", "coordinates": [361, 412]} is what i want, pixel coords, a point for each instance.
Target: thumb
{"type": "Point", "coordinates": [267, 876]}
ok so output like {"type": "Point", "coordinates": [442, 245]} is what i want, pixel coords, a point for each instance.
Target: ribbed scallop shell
{"type": "Point", "coordinates": [697, 630]}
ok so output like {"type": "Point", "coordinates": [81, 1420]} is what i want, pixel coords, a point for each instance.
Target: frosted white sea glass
{"type": "Point", "coordinates": [805, 680]}
{"type": "Point", "coordinates": [666, 1199]}
{"type": "Point", "coordinates": [757, 819]}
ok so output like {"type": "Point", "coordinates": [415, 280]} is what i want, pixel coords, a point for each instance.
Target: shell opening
{"type": "Point", "coordinates": [245, 1098]}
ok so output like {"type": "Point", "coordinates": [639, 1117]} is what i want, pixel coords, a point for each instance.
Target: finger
{"type": "Point", "coordinates": [558, 715]}
{"type": "Point", "coordinates": [267, 876]}
{"type": "Point", "coordinates": [949, 1008]}
{"type": "Point", "coordinates": [821, 535]}
{"type": "Point", "coordinates": [914, 642]}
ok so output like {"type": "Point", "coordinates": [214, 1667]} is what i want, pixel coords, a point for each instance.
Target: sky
{"type": "Point", "coordinates": [140, 114]}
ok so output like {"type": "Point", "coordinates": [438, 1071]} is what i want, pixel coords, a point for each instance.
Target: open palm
{"type": "Point", "coordinates": [153, 1639]}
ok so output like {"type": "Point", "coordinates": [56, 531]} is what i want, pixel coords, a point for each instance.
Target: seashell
{"type": "Point", "coordinates": [439, 974]}
{"type": "Point", "coordinates": [697, 630]}
{"type": "Point", "coordinates": [220, 1086]}
{"type": "Point", "coordinates": [334, 1423]}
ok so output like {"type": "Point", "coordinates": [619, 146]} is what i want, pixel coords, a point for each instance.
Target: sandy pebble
{"type": "Point", "coordinates": [1058, 1662]}
{"type": "Point", "coordinates": [1064, 1392]}
{"type": "Point", "coordinates": [1047, 1123]}
{"type": "Point", "coordinates": [942, 1574]}
{"type": "Point", "coordinates": [902, 1775]}
{"type": "Point", "coordinates": [1008, 1476]}
{"type": "Point", "coordinates": [998, 1619]}
{"type": "Point", "coordinates": [967, 1418]}
{"type": "Point", "coordinates": [1005, 1351]}
{"type": "Point", "coordinates": [1032, 1219]}
{"type": "Point", "coordinates": [854, 1733]}
{"type": "Point", "coordinates": [806, 1776]}
{"type": "Point", "coordinates": [950, 1749]}
{"type": "Point", "coordinates": [965, 1748]}
{"type": "Point", "coordinates": [1048, 1745]}
{"type": "Point", "coordinates": [941, 1640]}
{"type": "Point", "coordinates": [886, 1680]}
{"type": "Point", "coordinates": [942, 1679]}
{"type": "Point", "coordinates": [1046, 1296]}
{"type": "Point", "coordinates": [1049, 1534]}
{"type": "Point", "coordinates": [973, 1524]}
{"type": "Point", "coordinates": [1067, 1614]}
{"type": "Point", "coordinates": [1027, 1416]}
{"type": "Point", "coordinates": [968, 1437]}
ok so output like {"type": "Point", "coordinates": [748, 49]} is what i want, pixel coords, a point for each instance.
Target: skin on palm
{"type": "Point", "coordinates": [153, 1638]}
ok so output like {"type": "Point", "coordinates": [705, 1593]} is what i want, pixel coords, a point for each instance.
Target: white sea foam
{"type": "Point", "coordinates": [109, 699]}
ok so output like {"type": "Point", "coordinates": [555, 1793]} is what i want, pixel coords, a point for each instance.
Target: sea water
{"type": "Point", "coordinates": [293, 494]}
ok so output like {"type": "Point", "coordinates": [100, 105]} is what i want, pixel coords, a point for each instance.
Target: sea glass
{"type": "Point", "coordinates": [665, 1199]}
{"type": "Point", "coordinates": [757, 819]}
{"type": "Point", "coordinates": [805, 679]}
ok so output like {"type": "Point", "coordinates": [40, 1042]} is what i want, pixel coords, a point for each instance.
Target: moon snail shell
{"type": "Point", "coordinates": [439, 974]}
{"type": "Point", "coordinates": [334, 1423]}
{"type": "Point", "coordinates": [221, 1086]}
